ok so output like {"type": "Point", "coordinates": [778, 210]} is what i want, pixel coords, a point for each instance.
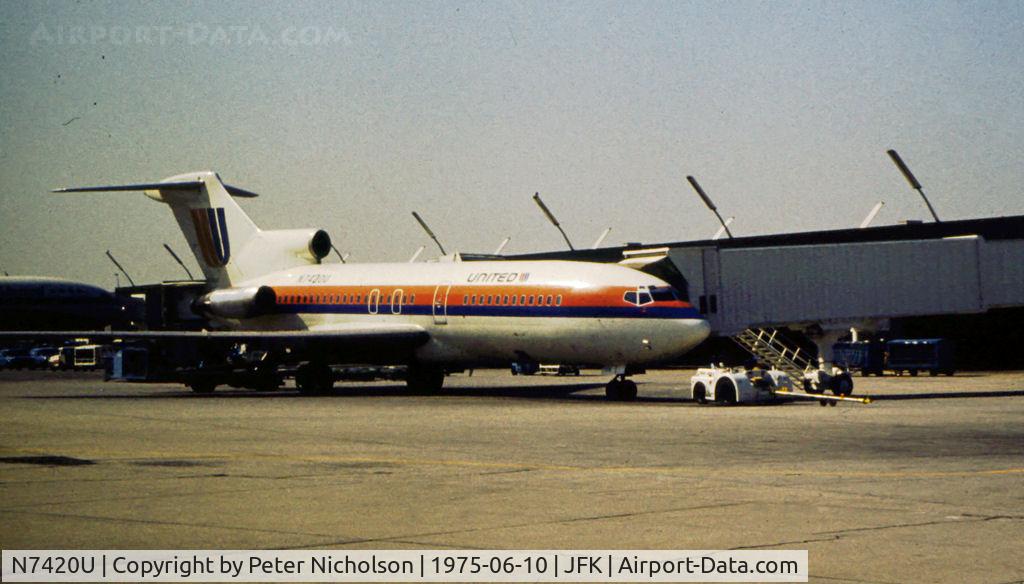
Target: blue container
{"type": "Point", "coordinates": [913, 355]}
{"type": "Point", "coordinates": [868, 357]}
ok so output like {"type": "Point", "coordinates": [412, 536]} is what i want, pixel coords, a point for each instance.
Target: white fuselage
{"type": "Point", "coordinates": [494, 312]}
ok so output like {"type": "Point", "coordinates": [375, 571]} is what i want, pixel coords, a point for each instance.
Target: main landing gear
{"type": "Point", "coordinates": [424, 379]}
{"type": "Point", "coordinates": [620, 389]}
{"type": "Point", "coordinates": [314, 379]}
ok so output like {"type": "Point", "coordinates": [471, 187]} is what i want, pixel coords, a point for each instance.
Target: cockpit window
{"type": "Point", "coordinates": [643, 296]}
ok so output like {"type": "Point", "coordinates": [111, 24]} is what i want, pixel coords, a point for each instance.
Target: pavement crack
{"type": "Point", "coordinates": [165, 523]}
{"type": "Point", "coordinates": [414, 536]}
{"type": "Point", "coordinates": [791, 542]}
{"type": "Point", "coordinates": [977, 518]}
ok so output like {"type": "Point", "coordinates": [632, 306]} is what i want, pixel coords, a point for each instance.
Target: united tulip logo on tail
{"type": "Point", "coordinates": [212, 231]}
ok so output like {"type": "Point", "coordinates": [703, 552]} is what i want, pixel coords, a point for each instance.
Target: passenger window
{"type": "Point", "coordinates": [514, 298]}
{"type": "Point", "coordinates": [531, 299]}
{"type": "Point", "coordinates": [505, 300]}
{"type": "Point", "coordinates": [558, 300]}
{"type": "Point", "coordinates": [548, 302]}
{"type": "Point", "coordinates": [490, 298]}
{"type": "Point", "coordinates": [465, 298]}
{"type": "Point", "coordinates": [412, 299]}
{"type": "Point", "coordinates": [522, 300]}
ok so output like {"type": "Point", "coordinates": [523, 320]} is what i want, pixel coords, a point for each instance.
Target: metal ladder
{"type": "Point", "coordinates": [770, 347]}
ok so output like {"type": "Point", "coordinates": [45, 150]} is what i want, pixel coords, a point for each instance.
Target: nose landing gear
{"type": "Point", "coordinates": [620, 389]}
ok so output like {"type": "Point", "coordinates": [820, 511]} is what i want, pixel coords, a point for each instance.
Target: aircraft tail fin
{"type": "Point", "coordinates": [227, 245]}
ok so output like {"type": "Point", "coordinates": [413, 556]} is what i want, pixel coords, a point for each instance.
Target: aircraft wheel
{"type": "Point", "coordinates": [613, 389]}
{"type": "Point", "coordinates": [314, 379]}
{"type": "Point", "coordinates": [424, 379]}
{"type": "Point", "coordinates": [620, 390]}
{"type": "Point", "coordinates": [822, 403]}
{"type": "Point", "coordinates": [203, 386]}
{"type": "Point", "coordinates": [628, 390]}
{"type": "Point", "coordinates": [913, 372]}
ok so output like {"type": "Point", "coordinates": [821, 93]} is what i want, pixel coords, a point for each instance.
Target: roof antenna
{"type": "Point", "coordinates": [551, 218]}
{"type": "Point", "coordinates": [600, 239]}
{"type": "Point", "coordinates": [177, 259]}
{"type": "Point", "coordinates": [913, 182]}
{"type": "Point", "coordinates": [501, 247]}
{"type": "Point", "coordinates": [111, 256]}
{"type": "Point", "coordinates": [721, 230]}
{"type": "Point", "coordinates": [707, 201]}
{"type": "Point", "coordinates": [416, 255]}
{"type": "Point", "coordinates": [871, 215]}
{"type": "Point", "coordinates": [423, 224]}
{"type": "Point", "coordinates": [340, 257]}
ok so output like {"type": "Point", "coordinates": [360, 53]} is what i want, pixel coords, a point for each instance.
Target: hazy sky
{"type": "Point", "coordinates": [348, 116]}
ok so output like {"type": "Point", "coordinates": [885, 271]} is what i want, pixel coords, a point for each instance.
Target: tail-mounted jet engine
{"type": "Point", "coordinates": [312, 245]}
{"type": "Point", "coordinates": [237, 302]}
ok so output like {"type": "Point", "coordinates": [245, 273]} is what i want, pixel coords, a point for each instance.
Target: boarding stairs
{"type": "Point", "coordinates": [773, 349]}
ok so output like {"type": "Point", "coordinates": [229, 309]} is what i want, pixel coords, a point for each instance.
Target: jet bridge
{"type": "Point", "coordinates": [826, 282]}
{"type": "Point", "coordinates": [845, 284]}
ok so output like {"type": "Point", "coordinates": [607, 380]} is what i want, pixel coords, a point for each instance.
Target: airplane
{"type": "Point", "coordinates": [44, 303]}
{"type": "Point", "coordinates": [269, 290]}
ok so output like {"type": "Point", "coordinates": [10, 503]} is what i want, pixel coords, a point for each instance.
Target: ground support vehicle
{"type": "Point", "coordinates": [731, 385]}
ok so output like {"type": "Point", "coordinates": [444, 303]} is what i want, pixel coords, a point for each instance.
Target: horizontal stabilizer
{"type": "Point", "coordinates": [164, 186]}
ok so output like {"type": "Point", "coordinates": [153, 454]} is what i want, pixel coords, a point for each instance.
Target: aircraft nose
{"type": "Point", "coordinates": [699, 330]}
{"type": "Point", "coordinates": [691, 332]}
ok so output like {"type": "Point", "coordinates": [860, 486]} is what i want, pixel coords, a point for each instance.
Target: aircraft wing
{"type": "Point", "coordinates": [339, 343]}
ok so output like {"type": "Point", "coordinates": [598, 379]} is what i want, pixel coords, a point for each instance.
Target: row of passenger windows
{"type": "Point", "coordinates": [400, 298]}
{"type": "Point", "coordinates": [640, 297]}
{"type": "Point", "coordinates": [513, 300]}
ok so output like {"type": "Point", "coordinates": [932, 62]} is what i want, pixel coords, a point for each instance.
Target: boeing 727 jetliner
{"type": "Point", "coordinates": [268, 290]}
